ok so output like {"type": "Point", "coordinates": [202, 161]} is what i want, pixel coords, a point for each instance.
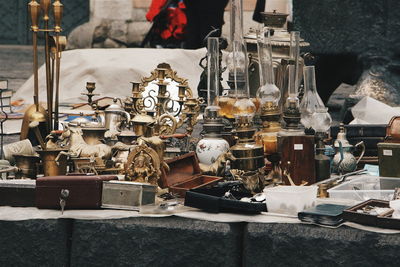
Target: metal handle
{"type": "Point", "coordinates": [341, 155]}
{"type": "Point", "coordinates": [362, 152]}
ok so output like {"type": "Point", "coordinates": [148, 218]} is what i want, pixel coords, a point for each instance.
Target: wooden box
{"type": "Point", "coordinates": [298, 158]}
{"type": "Point", "coordinates": [389, 158]}
{"type": "Point", "coordinates": [184, 174]}
{"type": "Point", "coordinates": [84, 191]}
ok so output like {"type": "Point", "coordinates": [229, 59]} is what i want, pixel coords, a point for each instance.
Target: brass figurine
{"type": "Point", "coordinates": [143, 165]}
{"type": "Point", "coordinates": [79, 148]}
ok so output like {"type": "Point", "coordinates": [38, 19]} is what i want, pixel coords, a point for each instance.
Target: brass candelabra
{"type": "Point", "coordinates": [168, 112]}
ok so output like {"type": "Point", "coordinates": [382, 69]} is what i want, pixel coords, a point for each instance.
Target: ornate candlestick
{"type": "Point", "coordinates": [190, 112]}
{"type": "Point", "coordinates": [135, 106]}
{"type": "Point", "coordinates": [90, 87]}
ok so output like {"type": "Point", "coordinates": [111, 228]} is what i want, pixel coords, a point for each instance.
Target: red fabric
{"type": "Point", "coordinates": [176, 19]}
{"type": "Point", "coordinates": [155, 8]}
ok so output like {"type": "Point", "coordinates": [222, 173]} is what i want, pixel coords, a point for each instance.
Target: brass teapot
{"type": "Point", "coordinates": [344, 161]}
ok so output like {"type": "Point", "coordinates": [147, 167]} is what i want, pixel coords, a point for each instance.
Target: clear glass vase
{"type": "Point", "coordinates": [311, 101]}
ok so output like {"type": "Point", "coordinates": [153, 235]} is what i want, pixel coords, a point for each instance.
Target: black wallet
{"type": "Point", "coordinates": [324, 214]}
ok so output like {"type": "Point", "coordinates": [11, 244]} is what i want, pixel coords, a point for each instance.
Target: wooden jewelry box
{"type": "Point", "coordinates": [185, 174]}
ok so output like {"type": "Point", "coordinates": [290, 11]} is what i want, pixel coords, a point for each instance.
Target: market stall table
{"type": "Point", "coordinates": [112, 237]}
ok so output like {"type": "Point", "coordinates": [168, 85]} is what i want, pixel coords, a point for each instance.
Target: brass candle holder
{"type": "Point", "coordinates": [191, 112]}
{"type": "Point", "coordinates": [134, 105]}
{"type": "Point", "coordinates": [90, 87]}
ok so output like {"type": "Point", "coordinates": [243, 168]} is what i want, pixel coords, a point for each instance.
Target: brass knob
{"type": "Point", "coordinates": [34, 10]}
{"type": "Point", "coordinates": [45, 5]}
{"type": "Point", "coordinates": [58, 13]}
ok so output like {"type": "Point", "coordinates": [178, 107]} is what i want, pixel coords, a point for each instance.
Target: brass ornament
{"type": "Point", "coordinates": [143, 165]}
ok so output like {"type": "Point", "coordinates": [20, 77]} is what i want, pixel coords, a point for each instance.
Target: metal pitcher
{"type": "Point", "coordinates": [344, 161]}
{"type": "Point", "coordinates": [114, 116]}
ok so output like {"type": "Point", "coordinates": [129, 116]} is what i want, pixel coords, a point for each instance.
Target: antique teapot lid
{"type": "Point", "coordinates": [127, 133]}
{"type": "Point", "coordinates": [114, 106]}
{"type": "Point", "coordinates": [341, 136]}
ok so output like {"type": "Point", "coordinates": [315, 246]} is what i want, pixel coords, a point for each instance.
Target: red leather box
{"type": "Point", "coordinates": [84, 192]}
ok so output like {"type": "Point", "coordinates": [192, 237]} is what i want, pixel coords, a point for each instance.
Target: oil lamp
{"type": "Point", "coordinates": [212, 145]}
{"type": "Point", "coordinates": [238, 100]}
{"type": "Point", "coordinates": [291, 114]}
{"type": "Point", "coordinates": [321, 122]}
{"type": "Point", "coordinates": [268, 96]}
{"type": "Point", "coordinates": [249, 155]}
{"type": "Point", "coordinates": [295, 148]}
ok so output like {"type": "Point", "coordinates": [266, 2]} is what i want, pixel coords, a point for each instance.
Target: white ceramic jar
{"type": "Point", "coordinates": [209, 148]}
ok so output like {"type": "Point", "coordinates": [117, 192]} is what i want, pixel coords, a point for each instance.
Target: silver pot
{"type": "Point", "coordinates": [344, 161]}
{"type": "Point", "coordinates": [114, 116]}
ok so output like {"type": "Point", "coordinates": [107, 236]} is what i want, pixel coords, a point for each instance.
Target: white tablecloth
{"type": "Point", "coordinates": [113, 70]}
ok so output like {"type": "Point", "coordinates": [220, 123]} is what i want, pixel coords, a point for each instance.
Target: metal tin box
{"type": "Point", "coordinates": [389, 158]}
{"type": "Point", "coordinates": [127, 195]}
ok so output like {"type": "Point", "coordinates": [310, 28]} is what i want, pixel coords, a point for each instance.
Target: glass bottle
{"type": "Point", "coordinates": [293, 71]}
{"type": "Point", "coordinates": [311, 101]}
{"type": "Point", "coordinates": [213, 73]}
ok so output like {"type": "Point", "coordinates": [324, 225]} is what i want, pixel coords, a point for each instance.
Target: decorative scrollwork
{"type": "Point", "coordinates": [168, 101]}
{"type": "Point", "coordinates": [166, 125]}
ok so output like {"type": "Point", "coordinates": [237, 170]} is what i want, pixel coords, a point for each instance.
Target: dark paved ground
{"type": "Point", "coordinates": [16, 66]}
{"type": "Point", "coordinates": [16, 63]}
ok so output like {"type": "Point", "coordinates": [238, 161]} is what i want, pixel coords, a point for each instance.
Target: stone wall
{"type": "Point", "coordinates": [122, 23]}
{"type": "Point", "coordinates": [113, 24]}
{"type": "Point", "coordinates": [349, 26]}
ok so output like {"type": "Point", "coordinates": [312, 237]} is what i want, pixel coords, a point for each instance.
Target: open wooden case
{"type": "Point", "coordinates": [185, 174]}
{"type": "Point", "coordinates": [383, 220]}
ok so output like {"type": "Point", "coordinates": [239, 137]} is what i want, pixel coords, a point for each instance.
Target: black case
{"type": "Point", "coordinates": [361, 130]}
{"type": "Point", "coordinates": [212, 200]}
